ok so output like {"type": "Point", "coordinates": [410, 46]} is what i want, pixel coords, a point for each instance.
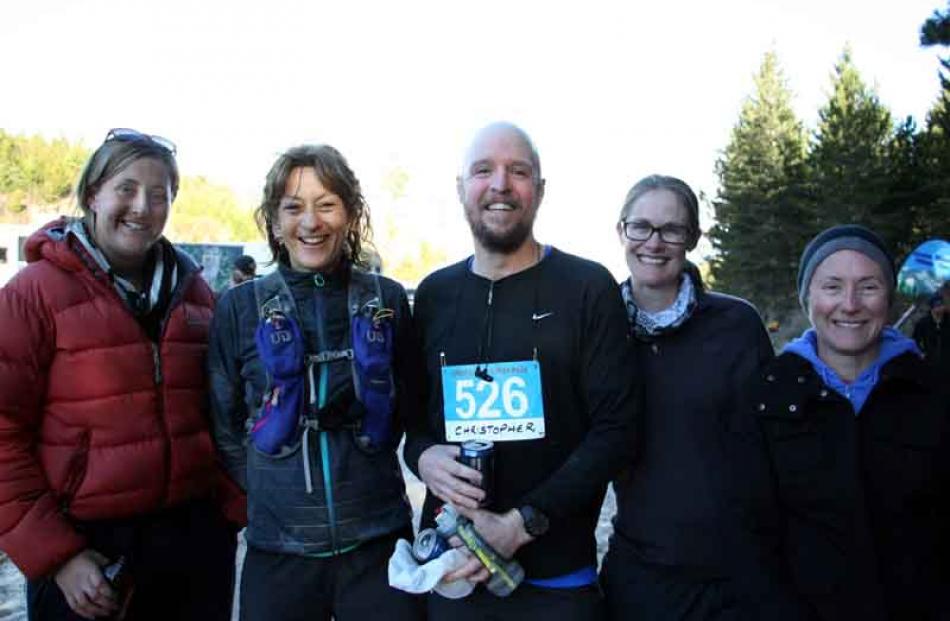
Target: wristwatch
{"type": "Point", "coordinates": [535, 522]}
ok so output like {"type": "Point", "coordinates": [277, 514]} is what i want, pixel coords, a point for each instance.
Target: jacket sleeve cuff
{"type": "Point", "coordinates": [413, 449]}
{"type": "Point", "coordinates": [41, 546]}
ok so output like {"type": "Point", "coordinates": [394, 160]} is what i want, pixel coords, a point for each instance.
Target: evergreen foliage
{"type": "Point", "coordinates": [849, 157]}
{"type": "Point", "coordinates": [762, 211]}
{"type": "Point", "coordinates": [933, 215]}
{"type": "Point", "coordinates": [777, 188]}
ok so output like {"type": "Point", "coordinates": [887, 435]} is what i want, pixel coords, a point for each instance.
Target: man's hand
{"type": "Point", "coordinates": [448, 479]}
{"type": "Point", "coordinates": [503, 532]}
{"type": "Point", "coordinates": [87, 591]}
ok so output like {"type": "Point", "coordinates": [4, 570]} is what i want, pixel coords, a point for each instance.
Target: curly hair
{"type": "Point", "coordinates": [336, 175]}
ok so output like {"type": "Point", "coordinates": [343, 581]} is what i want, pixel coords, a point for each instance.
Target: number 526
{"type": "Point", "coordinates": [513, 398]}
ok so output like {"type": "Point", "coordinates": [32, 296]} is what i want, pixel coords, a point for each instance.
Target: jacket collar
{"type": "Point", "coordinates": [789, 383]}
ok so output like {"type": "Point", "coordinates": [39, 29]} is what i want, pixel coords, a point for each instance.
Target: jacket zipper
{"type": "Point", "coordinates": [176, 298]}
{"type": "Point", "coordinates": [183, 283]}
{"type": "Point", "coordinates": [77, 470]}
{"type": "Point", "coordinates": [325, 458]}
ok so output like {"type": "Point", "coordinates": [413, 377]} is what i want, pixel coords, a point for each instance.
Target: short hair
{"type": "Point", "coordinates": [336, 175]}
{"type": "Point", "coordinates": [245, 264]}
{"type": "Point", "coordinates": [115, 155]}
{"type": "Point", "coordinates": [678, 187]}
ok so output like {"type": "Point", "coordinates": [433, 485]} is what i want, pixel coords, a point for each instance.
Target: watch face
{"type": "Point", "coordinates": [535, 522]}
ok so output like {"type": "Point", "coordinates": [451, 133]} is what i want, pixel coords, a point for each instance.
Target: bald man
{"type": "Point", "coordinates": [525, 346]}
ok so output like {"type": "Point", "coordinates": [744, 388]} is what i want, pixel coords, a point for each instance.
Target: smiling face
{"type": "Point", "coordinates": [848, 301]}
{"type": "Point", "coordinates": [654, 263]}
{"type": "Point", "coordinates": [500, 188]}
{"type": "Point", "coordinates": [128, 213]}
{"type": "Point", "coordinates": [311, 222]}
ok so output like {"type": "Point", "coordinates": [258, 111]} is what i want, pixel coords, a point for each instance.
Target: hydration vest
{"type": "Point", "coordinates": [289, 406]}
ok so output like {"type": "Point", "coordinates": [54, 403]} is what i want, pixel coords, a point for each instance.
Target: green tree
{"type": "Point", "coordinates": [35, 172]}
{"type": "Point", "coordinates": [933, 214]}
{"type": "Point", "coordinates": [209, 212]}
{"type": "Point", "coordinates": [850, 158]}
{"type": "Point", "coordinates": [936, 31]}
{"type": "Point", "coordinates": [762, 212]}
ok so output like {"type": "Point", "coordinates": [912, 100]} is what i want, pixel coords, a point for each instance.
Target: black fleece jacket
{"type": "Point", "coordinates": [589, 383]}
{"type": "Point", "coordinates": [674, 506]}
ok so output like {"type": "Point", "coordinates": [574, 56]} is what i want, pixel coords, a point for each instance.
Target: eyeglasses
{"type": "Point", "coordinates": [640, 230]}
{"type": "Point", "coordinates": [123, 134]}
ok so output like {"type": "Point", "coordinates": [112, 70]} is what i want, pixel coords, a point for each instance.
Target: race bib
{"type": "Point", "coordinates": [507, 408]}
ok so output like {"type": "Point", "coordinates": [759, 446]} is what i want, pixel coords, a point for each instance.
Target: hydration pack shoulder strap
{"type": "Point", "coordinates": [372, 334]}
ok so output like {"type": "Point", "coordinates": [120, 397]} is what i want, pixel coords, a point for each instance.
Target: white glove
{"type": "Point", "coordinates": [406, 574]}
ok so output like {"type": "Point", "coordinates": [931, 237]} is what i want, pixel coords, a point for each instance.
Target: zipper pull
{"type": "Point", "coordinates": [157, 360]}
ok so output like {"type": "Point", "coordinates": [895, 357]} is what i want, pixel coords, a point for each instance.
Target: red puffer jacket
{"type": "Point", "coordinates": [96, 420]}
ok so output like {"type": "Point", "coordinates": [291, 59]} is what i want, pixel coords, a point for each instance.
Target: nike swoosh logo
{"type": "Point", "coordinates": [537, 317]}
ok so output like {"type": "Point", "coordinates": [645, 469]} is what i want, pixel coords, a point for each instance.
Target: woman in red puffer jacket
{"type": "Point", "coordinates": [104, 443]}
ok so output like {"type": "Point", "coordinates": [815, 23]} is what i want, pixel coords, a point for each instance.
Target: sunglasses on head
{"type": "Point", "coordinates": [123, 134]}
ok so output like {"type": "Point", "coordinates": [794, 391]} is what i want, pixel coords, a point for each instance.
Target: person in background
{"type": "Point", "coordinates": [520, 313]}
{"type": "Point", "coordinates": [676, 535]}
{"type": "Point", "coordinates": [932, 331]}
{"type": "Point", "coordinates": [854, 432]}
{"type": "Point", "coordinates": [105, 449]}
{"type": "Point", "coordinates": [243, 269]}
{"type": "Point", "coordinates": [312, 373]}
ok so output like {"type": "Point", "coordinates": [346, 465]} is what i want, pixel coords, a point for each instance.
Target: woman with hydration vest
{"type": "Point", "coordinates": [312, 368]}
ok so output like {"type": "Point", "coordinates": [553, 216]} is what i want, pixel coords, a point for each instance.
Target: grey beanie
{"type": "Point", "coordinates": [843, 237]}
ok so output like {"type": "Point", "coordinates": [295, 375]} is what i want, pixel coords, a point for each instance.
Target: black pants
{"type": "Point", "coordinates": [351, 587]}
{"type": "Point", "coordinates": [526, 603]}
{"type": "Point", "coordinates": [638, 591]}
{"type": "Point", "coordinates": [181, 562]}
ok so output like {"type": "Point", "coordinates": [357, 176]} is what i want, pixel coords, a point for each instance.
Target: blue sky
{"type": "Point", "coordinates": [611, 91]}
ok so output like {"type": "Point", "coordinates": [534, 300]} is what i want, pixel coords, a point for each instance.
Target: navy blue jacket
{"type": "Point", "coordinates": [356, 495]}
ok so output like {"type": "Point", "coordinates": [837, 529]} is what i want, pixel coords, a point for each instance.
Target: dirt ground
{"type": "Point", "coordinates": [12, 606]}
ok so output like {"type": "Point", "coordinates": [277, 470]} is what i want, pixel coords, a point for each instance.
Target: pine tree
{"type": "Point", "coordinates": [762, 213]}
{"type": "Point", "coordinates": [907, 196]}
{"type": "Point", "coordinates": [852, 173]}
{"type": "Point", "coordinates": [932, 218]}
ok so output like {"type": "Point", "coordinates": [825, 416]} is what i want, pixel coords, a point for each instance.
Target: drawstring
{"type": "Point", "coordinates": [307, 477]}
{"type": "Point", "coordinates": [313, 383]}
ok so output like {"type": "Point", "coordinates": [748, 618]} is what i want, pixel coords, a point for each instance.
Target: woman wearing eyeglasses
{"type": "Point", "coordinates": [108, 468]}
{"type": "Point", "coordinates": [673, 532]}
{"type": "Point", "coordinates": [312, 373]}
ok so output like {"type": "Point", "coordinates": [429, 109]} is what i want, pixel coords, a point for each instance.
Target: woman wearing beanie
{"type": "Point", "coordinates": [856, 434]}
{"type": "Point", "coordinates": [675, 533]}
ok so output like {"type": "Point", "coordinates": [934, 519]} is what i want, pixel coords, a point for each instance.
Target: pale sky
{"type": "Point", "coordinates": [610, 91]}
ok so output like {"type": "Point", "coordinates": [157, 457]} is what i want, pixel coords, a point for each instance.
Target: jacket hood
{"type": "Point", "coordinates": [893, 344]}
{"type": "Point", "coordinates": [51, 242]}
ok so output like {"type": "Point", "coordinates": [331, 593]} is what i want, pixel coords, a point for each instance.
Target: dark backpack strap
{"type": "Point", "coordinates": [272, 293]}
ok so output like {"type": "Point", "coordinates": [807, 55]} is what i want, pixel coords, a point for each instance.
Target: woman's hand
{"type": "Point", "coordinates": [87, 591]}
